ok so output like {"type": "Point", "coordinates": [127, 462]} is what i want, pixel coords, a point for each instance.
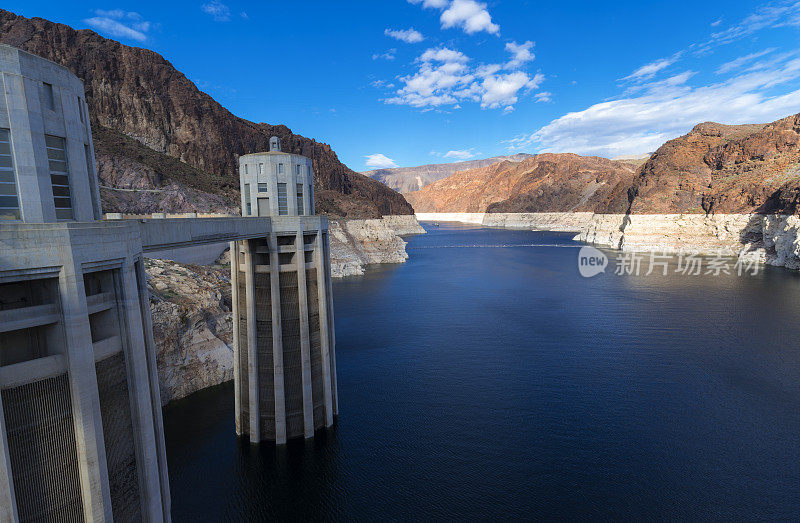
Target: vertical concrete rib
{"type": "Point", "coordinates": [8, 504]}
{"type": "Point", "coordinates": [305, 345]}
{"type": "Point", "coordinates": [331, 326]}
{"type": "Point", "coordinates": [252, 342]}
{"type": "Point", "coordinates": [322, 296]}
{"type": "Point", "coordinates": [134, 346]}
{"type": "Point", "coordinates": [90, 445]}
{"type": "Point", "coordinates": [155, 391]}
{"type": "Point", "coordinates": [237, 384]}
{"type": "Point", "coordinates": [277, 341]}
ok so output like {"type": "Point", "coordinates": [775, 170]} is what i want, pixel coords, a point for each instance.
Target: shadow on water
{"type": "Point", "coordinates": [216, 475]}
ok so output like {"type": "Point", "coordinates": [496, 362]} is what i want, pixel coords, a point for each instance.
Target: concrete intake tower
{"type": "Point", "coordinates": [285, 383]}
{"type": "Point", "coordinates": [81, 432]}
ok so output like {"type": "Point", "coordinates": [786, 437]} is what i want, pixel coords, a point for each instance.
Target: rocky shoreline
{"type": "Point", "coordinates": [544, 221]}
{"type": "Point", "coordinates": [192, 325]}
{"type": "Point", "coordinates": [771, 238]}
{"type": "Point", "coordinates": [360, 242]}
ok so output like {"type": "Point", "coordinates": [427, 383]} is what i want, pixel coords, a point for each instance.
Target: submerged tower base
{"type": "Point", "coordinates": [284, 362]}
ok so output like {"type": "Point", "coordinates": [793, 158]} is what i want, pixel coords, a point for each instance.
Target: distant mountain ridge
{"type": "Point", "coordinates": [138, 93]}
{"type": "Point", "coordinates": [715, 168]}
{"type": "Point", "coordinates": [546, 182]}
{"type": "Point", "coordinates": [409, 179]}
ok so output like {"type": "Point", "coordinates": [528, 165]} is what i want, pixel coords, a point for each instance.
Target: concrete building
{"type": "Point", "coordinates": [81, 434]}
{"type": "Point", "coordinates": [283, 315]}
{"type": "Point", "coordinates": [276, 183]}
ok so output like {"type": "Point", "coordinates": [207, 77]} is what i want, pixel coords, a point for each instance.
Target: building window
{"type": "Point", "coordinates": [299, 197]}
{"type": "Point", "coordinates": [262, 187]}
{"type": "Point", "coordinates": [297, 170]}
{"type": "Point", "coordinates": [59, 176]}
{"type": "Point", "coordinates": [283, 204]}
{"type": "Point", "coordinates": [260, 169]}
{"type": "Point", "coordinates": [248, 205]}
{"type": "Point", "coordinates": [80, 109]}
{"type": "Point", "coordinates": [9, 203]}
{"type": "Point", "coordinates": [48, 99]}
{"type": "Point", "coordinates": [280, 168]}
{"type": "Point", "coordinates": [245, 168]}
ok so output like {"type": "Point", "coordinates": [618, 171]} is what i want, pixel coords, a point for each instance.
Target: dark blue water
{"type": "Point", "coordinates": [496, 382]}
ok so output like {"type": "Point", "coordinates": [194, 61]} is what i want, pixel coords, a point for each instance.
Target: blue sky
{"type": "Point", "coordinates": [409, 82]}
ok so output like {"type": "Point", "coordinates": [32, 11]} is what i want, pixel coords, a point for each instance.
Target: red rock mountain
{"type": "Point", "coordinates": [723, 168]}
{"type": "Point", "coordinates": [409, 179]}
{"type": "Point", "coordinates": [137, 93]}
{"type": "Point", "coordinates": [540, 183]}
{"type": "Point", "coordinates": [714, 168]}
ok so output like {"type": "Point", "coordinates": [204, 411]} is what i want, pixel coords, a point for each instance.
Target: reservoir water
{"type": "Point", "coordinates": [485, 378]}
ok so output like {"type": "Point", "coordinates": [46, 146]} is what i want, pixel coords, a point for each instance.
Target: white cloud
{"type": "Point", "coordinates": [773, 15]}
{"type": "Point", "coordinates": [445, 78]}
{"type": "Point", "coordinates": [648, 112]}
{"type": "Point", "coordinates": [742, 60]}
{"type": "Point", "coordinates": [470, 15]}
{"type": "Point", "coordinates": [116, 13]}
{"type": "Point", "coordinates": [219, 11]}
{"type": "Point", "coordinates": [120, 24]}
{"type": "Point", "coordinates": [776, 14]}
{"type": "Point", "coordinates": [502, 90]}
{"type": "Point", "coordinates": [437, 4]}
{"type": "Point", "coordinates": [388, 55]}
{"type": "Point", "coordinates": [443, 54]}
{"type": "Point", "coordinates": [380, 161]}
{"type": "Point", "coordinates": [244, 15]}
{"type": "Point", "coordinates": [648, 71]}
{"type": "Point", "coordinates": [520, 54]}
{"type": "Point", "coordinates": [669, 108]}
{"type": "Point", "coordinates": [409, 36]}
{"type": "Point", "coordinates": [443, 73]}
{"type": "Point", "coordinates": [544, 96]}
{"type": "Point", "coordinates": [460, 154]}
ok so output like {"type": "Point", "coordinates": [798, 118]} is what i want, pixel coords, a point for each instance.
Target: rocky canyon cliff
{"type": "Point", "coordinates": [714, 168]}
{"type": "Point", "coordinates": [409, 179]}
{"type": "Point", "coordinates": [540, 183]}
{"type": "Point", "coordinates": [719, 168]}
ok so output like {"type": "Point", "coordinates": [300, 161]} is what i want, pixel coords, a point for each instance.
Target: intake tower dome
{"type": "Point", "coordinates": [276, 183]}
